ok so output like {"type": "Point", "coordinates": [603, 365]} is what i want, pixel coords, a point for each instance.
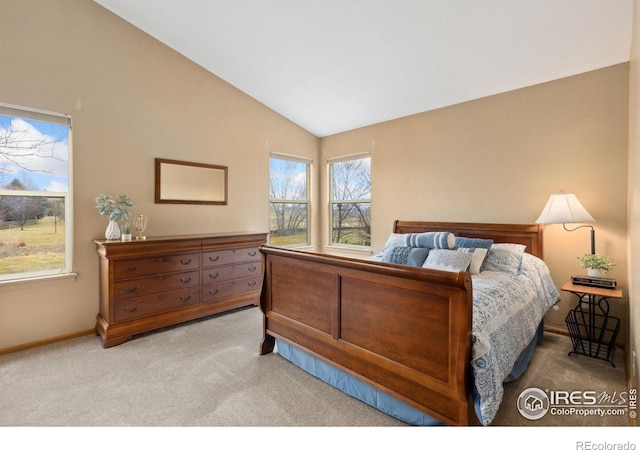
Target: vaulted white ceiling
{"type": "Point", "coordinates": [335, 65]}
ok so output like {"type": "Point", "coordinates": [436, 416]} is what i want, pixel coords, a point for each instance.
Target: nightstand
{"type": "Point", "coordinates": [592, 330]}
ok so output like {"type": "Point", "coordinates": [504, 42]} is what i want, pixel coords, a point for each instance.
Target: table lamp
{"type": "Point", "coordinates": [566, 208]}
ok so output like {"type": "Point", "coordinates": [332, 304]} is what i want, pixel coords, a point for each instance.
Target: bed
{"type": "Point", "coordinates": [426, 342]}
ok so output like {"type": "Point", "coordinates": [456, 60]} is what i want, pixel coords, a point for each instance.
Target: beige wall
{"type": "Point", "coordinates": [132, 99]}
{"type": "Point", "coordinates": [634, 196]}
{"type": "Point", "coordinates": [499, 158]}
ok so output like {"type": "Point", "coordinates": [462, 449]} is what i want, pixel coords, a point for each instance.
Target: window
{"type": "Point", "coordinates": [289, 201]}
{"type": "Point", "coordinates": [35, 193]}
{"type": "Point", "coordinates": [351, 201]}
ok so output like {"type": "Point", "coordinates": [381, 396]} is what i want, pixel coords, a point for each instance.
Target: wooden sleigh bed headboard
{"type": "Point", "coordinates": [525, 234]}
{"type": "Point", "coordinates": [403, 330]}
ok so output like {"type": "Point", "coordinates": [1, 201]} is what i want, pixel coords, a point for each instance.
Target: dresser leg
{"type": "Point", "coordinates": [106, 343]}
{"type": "Point", "coordinates": [102, 330]}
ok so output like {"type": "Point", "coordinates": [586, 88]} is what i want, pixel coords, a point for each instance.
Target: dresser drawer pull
{"type": "Point", "coordinates": [187, 298]}
{"type": "Point", "coordinates": [253, 253]}
{"type": "Point", "coordinates": [160, 259]}
{"type": "Point", "coordinates": [252, 283]}
{"type": "Point", "coordinates": [214, 292]}
{"type": "Point", "coordinates": [134, 309]}
{"type": "Point", "coordinates": [213, 277]}
{"type": "Point", "coordinates": [132, 269]}
{"type": "Point", "coordinates": [185, 262]}
{"type": "Point", "coordinates": [183, 281]}
{"type": "Point", "coordinates": [214, 259]}
{"type": "Point", "coordinates": [133, 289]}
{"type": "Point", "coordinates": [253, 269]}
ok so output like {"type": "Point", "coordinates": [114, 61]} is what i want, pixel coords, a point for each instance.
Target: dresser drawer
{"type": "Point", "coordinates": [214, 292]}
{"type": "Point", "coordinates": [226, 273]}
{"type": "Point", "coordinates": [133, 268]}
{"type": "Point", "coordinates": [154, 304]}
{"type": "Point", "coordinates": [231, 256]}
{"type": "Point", "coordinates": [140, 287]}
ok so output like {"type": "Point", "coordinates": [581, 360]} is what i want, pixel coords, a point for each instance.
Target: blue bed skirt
{"type": "Point", "coordinates": [376, 398]}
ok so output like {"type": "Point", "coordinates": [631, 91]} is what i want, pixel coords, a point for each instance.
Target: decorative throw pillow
{"type": "Point", "coordinates": [504, 258]}
{"type": "Point", "coordinates": [410, 256]}
{"type": "Point", "coordinates": [396, 254]}
{"type": "Point", "coordinates": [466, 242]}
{"type": "Point", "coordinates": [432, 239]}
{"type": "Point", "coordinates": [477, 258]}
{"type": "Point", "coordinates": [473, 242]}
{"type": "Point", "coordinates": [395, 240]}
{"type": "Point", "coordinates": [449, 260]}
{"type": "Point", "coordinates": [417, 256]}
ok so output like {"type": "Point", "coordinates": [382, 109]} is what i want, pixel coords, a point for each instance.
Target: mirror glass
{"type": "Point", "coordinates": [189, 182]}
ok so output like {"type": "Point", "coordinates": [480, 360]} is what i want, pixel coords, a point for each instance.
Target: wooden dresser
{"type": "Point", "coordinates": [161, 281]}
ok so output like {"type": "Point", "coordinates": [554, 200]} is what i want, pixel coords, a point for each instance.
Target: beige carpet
{"type": "Point", "coordinates": [551, 369]}
{"type": "Point", "coordinates": [208, 374]}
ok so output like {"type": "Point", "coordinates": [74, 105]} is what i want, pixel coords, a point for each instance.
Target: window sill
{"type": "Point", "coordinates": [34, 282]}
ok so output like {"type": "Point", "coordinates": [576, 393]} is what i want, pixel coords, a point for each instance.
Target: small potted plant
{"type": "Point", "coordinates": [126, 231]}
{"type": "Point", "coordinates": [114, 210]}
{"type": "Point", "coordinates": [596, 265]}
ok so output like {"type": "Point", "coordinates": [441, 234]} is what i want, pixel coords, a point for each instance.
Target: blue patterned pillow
{"type": "Point", "coordinates": [432, 239]}
{"type": "Point", "coordinates": [449, 260]}
{"type": "Point", "coordinates": [410, 256]}
{"type": "Point", "coordinates": [504, 258]}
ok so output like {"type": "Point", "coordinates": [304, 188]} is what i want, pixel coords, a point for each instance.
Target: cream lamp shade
{"type": "Point", "coordinates": [566, 208]}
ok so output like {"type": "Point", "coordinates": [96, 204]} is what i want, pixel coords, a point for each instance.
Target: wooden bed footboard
{"type": "Point", "coordinates": [404, 330]}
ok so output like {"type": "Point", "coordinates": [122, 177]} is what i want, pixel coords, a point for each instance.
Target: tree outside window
{"type": "Point", "coordinates": [289, 202]}
{"type": "Point", "coordinates": [351, 201]}
{"type": "Point", "coordinates": [35, 199]}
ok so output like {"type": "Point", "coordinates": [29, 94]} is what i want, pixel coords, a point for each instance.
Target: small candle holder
{"type": "Point", "coordinates": [140, 224]}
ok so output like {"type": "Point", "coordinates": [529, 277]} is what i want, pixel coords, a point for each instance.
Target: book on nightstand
{"type": "Point", "coordinates": [607, 283]}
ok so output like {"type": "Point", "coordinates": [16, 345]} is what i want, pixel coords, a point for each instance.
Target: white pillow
{"type": "Point", "coordinates": [477, 258]}
{"type": "Point", "coordinates": [448, 260]}
{"type": "Point", "coordinates": [395, 240]}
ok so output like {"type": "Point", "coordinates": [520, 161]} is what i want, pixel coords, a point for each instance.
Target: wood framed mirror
{"type": "Point", "coordinates": [190, 182]}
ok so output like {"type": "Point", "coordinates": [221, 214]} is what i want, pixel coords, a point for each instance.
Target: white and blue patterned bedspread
{"type": "Point", "coordinates": [506, 313]}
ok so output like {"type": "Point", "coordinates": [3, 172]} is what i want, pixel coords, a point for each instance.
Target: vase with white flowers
{"type": "Point", "coordinates": [115, 209]}
{"type": "Point", "coordinates": [596, 265]}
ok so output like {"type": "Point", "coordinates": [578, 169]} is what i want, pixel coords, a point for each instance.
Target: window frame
{"type": "Point", "coordinates": [307, 202]}
{"type": "Point", "coordinates": [332, 202]}
{"type": "Point", "coordinates": [62, 119]}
